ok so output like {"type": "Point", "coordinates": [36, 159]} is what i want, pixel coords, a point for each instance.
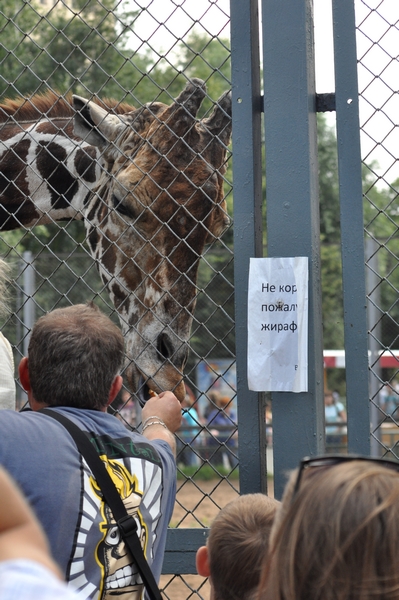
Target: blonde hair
{"type": "Point", "coordinates": [338, 539]}
{"type": "Point", "coordinates": [237, 545]}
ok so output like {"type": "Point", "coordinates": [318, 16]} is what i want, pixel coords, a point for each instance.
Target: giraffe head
{"type": "Point", "coordinates": [158, 202]}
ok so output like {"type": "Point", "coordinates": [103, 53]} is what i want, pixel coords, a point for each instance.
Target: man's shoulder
{"type": "Point", "coordinates": [13, 416]}
{"type": "Point", "coordinates": [110, 436]}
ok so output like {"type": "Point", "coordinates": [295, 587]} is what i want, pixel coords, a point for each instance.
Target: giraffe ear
{"type": "Point", "coordinates": [180, 116]}
{"type": "Point", "coordinates": [95, 125]}
{"type": "Point", "coordinates": [219, 123]}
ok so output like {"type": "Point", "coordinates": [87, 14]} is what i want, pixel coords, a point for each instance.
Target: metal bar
{"type": "Point", "coordinates": [325, 102]}
{"type": "Point", "coordinates": [182, 545]}
{"type": "Point", "coordinates": [293, 208]}
{"type": "Point", "coordinates": [352, 226]}
{"type": "Point", "coordinates": [247, 166]}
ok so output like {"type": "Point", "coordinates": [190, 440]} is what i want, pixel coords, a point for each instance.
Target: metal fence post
{"type": "Point", "coordinates": [247, 165]}
{"type": "Point", "coordinates": [352, 226]}
{"type": "Point", "coordinates": [293, 208]}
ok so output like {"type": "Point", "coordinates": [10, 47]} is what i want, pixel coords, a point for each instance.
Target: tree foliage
{"type": "Point", "coordinates": [382, 225]}
{"type": "Point", "coordinates": [381, 217]}
{"type": "Point", "coordinates": [86, 50]}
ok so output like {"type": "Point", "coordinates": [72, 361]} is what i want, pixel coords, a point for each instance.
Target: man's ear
{"type": "Point", "coordinates": [115, 388]}
{"type": "Point", "coordinates": [23, 372]}
{"type": "Point", "coordinates": [202, 561]}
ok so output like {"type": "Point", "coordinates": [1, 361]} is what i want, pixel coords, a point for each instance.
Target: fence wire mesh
{"type": "Point", "coordinates": [136, 53]}
{"type": "Point", "coordinates": [378, 70]}
{"type": "Point", "coordinates": [140, 52]}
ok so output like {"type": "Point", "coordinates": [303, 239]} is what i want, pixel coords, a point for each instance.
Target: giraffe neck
{"type": "Point", "coordinates": [45, 174]}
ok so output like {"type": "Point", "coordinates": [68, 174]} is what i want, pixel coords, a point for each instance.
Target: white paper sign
{"type": "Point", "coordinates": [278, 324]}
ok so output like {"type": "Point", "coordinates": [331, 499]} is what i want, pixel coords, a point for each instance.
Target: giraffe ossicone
{"type": "Point", "coordinates": [148, 182]}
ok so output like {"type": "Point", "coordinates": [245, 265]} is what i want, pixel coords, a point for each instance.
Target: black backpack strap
{"type": "Point", "coordinates": [126, 523]}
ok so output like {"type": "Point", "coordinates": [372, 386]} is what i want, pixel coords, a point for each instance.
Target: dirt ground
{"type": "Point", "coordinates": [197, 504]}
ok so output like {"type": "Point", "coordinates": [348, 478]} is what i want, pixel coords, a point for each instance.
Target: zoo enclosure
{"type": "Point", "coordinates": [293, 218]}
{"type": "Point", "coordinates": [77, 46]}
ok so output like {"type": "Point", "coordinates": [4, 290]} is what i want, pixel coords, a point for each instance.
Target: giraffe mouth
{"type": "Point", "coordinates": [146, 387]}
{"type": "Point", "coordinates": [144, 393]}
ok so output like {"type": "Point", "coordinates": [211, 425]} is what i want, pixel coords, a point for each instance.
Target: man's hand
{"type": "Point", "coordinates": [165, 408]}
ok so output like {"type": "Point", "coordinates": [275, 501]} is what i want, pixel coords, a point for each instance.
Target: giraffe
{"type": "Point", "coordinates": [148, 183]}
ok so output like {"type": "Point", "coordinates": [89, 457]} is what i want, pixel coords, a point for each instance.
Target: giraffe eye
{"type": "Point", "coordinates": [121, 208]}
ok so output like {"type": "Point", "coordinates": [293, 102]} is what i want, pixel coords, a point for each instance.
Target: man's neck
{"type": "Point", "coordinates": [35, 405]}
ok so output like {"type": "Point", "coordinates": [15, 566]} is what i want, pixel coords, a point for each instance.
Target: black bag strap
{"type": "Point", "coordinates": [126, 523]}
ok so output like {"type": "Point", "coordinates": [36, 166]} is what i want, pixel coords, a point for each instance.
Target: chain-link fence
{"type": "Point", "coordinates": [143, 52]}
{"type": "Point", "coordinates": [378, 70]}
{"type": "Point", "coordinates": [135, 53]}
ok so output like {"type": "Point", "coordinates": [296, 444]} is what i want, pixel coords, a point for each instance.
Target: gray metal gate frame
{"type": "Point", "coordinates": [290, 105]}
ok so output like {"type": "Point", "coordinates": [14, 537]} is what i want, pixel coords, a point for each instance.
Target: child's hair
{"type": "Point", "coordinates": [238, 543]}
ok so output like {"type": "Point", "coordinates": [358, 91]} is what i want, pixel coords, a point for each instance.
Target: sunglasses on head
{"type": "Point", "coordinates": [331, 460]}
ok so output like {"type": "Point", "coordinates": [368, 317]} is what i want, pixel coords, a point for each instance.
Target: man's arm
{"type": "Point", "coordinates": [166, 409]}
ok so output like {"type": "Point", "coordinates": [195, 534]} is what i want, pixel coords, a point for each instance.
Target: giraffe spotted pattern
{"type": "Point", "coordinates": [148, 183]}
{"type": "Point", "coordinates": [42, 175]}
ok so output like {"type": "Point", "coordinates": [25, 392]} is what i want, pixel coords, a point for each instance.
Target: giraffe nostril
{"type": "Point", "coordinates": [164, 346]}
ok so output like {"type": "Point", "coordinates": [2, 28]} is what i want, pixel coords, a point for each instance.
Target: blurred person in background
{"type": "Point", "coordinates": [7, 376]}
{"type": "Point", "coordinates": [222, 427]}
{"type": "Point", "coordinates": [27, 570]}
{"type": "Point", "coordinates": [189, 432]}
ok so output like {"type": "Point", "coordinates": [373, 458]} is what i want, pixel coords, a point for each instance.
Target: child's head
{"type": "Point", "coordinates": [237, 546]}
